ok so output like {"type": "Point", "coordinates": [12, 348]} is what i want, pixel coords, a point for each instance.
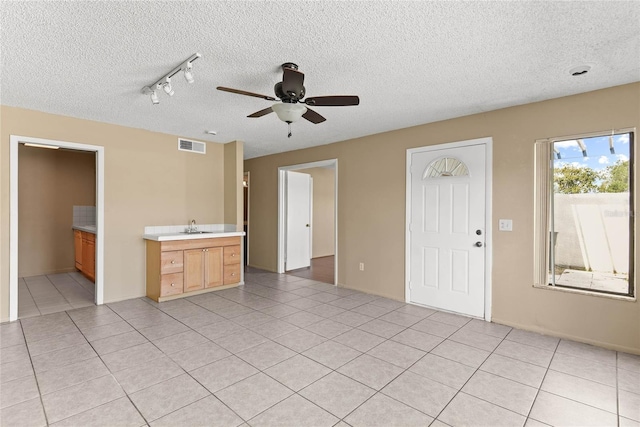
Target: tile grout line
{"type": "Point", "coordinates": [99, 356]}
{"type": "Point", "coordinates": [471, 376]}
{"type": "Point", "coordinates": [46, 418]}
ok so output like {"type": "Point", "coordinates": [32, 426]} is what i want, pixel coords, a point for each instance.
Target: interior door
{"type": "Point", "coordinates": [447, 226]}
{"type": "Point", "coordinates": [298, 239]}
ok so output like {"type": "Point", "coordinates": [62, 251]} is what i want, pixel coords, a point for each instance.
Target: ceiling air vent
{"type": "Point", "coordinates": [193, 146]}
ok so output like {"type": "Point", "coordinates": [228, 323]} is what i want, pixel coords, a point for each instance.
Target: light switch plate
{"type": "Point", "coordinates": [505, 225]}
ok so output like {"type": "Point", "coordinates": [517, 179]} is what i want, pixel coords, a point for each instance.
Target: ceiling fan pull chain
{"type": "Point", "coordinates": [289, 124]}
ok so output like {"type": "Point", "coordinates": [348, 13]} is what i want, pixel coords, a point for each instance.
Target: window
{"type": "Point", "coordinates": [446, 166]}
{"type": "Point", "coordinates": [584, 228]}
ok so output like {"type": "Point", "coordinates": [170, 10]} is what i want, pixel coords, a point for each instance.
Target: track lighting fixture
{"type": "Point", "coordinates": [165, 81]}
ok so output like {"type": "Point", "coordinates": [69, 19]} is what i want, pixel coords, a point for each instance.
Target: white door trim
{"type": "Point", "coordinates": [13, 214]}
{"type": "Point", "coordinates": [282, 225]}
{"type": "Point", "coordinates": [488, 144]}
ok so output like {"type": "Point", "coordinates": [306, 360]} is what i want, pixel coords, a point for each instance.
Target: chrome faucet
{"type": "Point", "coordinates": [192, 226]}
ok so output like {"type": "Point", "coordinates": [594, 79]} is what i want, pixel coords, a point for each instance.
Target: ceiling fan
{"type": "Point", "coordinates": [290, 91]}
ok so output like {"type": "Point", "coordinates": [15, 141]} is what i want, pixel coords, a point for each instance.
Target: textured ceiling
{"type": "Point", "coordinates": [410, 62]}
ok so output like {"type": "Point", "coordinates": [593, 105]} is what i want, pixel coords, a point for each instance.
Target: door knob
{"type": "Point", "coordinates": [479, 244]}
{"type": "Point", "coordinates": [307, 225]}
{"type": "Point", "coordinates": [478, 232]}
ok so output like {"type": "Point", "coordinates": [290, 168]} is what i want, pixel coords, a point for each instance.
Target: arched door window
{"type": "Point", "coordinates": [444, 167]}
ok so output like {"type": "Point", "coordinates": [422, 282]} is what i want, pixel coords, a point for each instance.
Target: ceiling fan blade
{"type": "Point", "coordinates": [333, 101]}
{"type": "Point", "coordinates": [261, 112]}
{"type": "Point", "coordinates": [313, 117]}
{"type": "Point", "coordinates": [244, 92]}
{"type": "Point", "coordinates": [292, 81]}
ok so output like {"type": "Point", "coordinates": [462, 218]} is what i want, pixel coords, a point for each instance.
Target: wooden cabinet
{"type": "Point", "coordinates": [203, 268]}
{"type": "Point", "coordinates": [89, 256]}
{"type": "Point", "coordinates": [77, 240]}
{"type": "Point", "coordinates": [231, 264]}
{"type": "Point", "coordinates": [85, 253]}
{"type": "Point", "coordinates": [191, 266]}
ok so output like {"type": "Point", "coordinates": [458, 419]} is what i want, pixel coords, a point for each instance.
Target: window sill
{"type": "Point", "coordinates": [585, 292]}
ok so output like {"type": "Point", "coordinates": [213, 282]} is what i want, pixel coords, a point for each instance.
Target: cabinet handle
{"type": "Point", "coordinates": [173, 284]}
{"type": "Point", "coordinates": [173, 262]}
{"type": "Point", "coordinates": [233, 274]}
{"type": "Point", "coordinates": [233, 254]}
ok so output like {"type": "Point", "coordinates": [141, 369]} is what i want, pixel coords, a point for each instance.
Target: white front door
{"type": "Point", "coordinates": [298, 250]}
{"type": "Point", "coordinates": [447, 229]}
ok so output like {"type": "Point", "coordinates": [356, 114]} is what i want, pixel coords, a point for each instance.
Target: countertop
{"type": "Point", "coordinates": [87, 228]}
{"type": "Point", "coordinates": [163, 237]}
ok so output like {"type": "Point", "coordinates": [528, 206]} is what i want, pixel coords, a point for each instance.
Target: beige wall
{"type": "Point", "coordinates": [147, 182]}
{"type": "Point", "coordinates": [233, 190]}
{"type": "Point", "coordinates": [323, 232]}
{"type": "Point", "coordinates": [372, 180]}
{"type": "Point", "coordinates": [50, 183]}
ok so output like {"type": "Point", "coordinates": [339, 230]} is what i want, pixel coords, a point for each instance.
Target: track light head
{"type": "Point", "coordinates": [188, 73]}
{"type": "Point", "coordinates": [166, 87]}
{"type": "Point", "coordinates": [154, 97]}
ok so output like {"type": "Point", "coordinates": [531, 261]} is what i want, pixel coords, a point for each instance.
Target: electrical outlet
{"type": "Point", "coordinates": [505, 225]}
{"type": "Point", "coordinates": [361, 266]}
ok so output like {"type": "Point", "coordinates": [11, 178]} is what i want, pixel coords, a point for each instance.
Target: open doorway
{"type": "Point", "coordinates": [56, 201]}
{"type": "Point", "coordinates": [42, 268]}
{"type": "Point", "coordinates": [308, 198]}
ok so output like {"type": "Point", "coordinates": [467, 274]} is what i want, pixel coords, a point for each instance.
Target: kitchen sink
{"type": "Point", "coordinates": [196, 232]}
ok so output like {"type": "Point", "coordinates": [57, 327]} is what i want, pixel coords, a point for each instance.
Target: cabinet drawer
{"type": "Point", "coordinates": [171, 262]}
{"type": "Point", "coordinates": [231, 274]}
{"type": "Point", "coordinates": [171, 284]}
{"type": "Point", "coordinates": [232, 255]}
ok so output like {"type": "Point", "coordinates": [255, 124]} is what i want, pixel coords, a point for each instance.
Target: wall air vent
{"type": "Point", "coordinates": [193, 146]}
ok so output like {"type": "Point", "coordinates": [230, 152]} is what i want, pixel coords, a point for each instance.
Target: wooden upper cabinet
{"type": "Point", "coordinates": [213, 267]}
{"type": "Point", "coordinates": [193, 270]}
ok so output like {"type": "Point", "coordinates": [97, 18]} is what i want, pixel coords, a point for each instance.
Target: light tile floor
{"type": "Point", "coordinates": [53, 293]}
{"type": "Point", "coordinates": [288, 351]}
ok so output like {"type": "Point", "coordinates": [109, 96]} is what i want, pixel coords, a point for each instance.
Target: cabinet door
{"type": "Point", "coordinates": [193, 270]}
{"type": "Point", "coordinates": [213, 267]}
{"type": "Point", "coordinates": [91, 262]}
{"type": "Point", "coordinates": [77, 240]}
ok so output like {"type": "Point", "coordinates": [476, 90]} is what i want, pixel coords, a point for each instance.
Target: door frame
{"type": "Point", "coordinates": [247, 174]}
{"type": "Point", "coordinates": [487, 142]}
{"type": "Point", "coordinates": [282, 224]}
{"type": "Point", "coordinates": [14, 142]}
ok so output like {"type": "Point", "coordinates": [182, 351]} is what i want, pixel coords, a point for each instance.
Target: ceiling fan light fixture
{"type": "Point", "coordinates": [289, 112]}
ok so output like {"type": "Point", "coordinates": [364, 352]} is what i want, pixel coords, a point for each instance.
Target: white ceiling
{"type": "Point", "coordinates": [410, 62]}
